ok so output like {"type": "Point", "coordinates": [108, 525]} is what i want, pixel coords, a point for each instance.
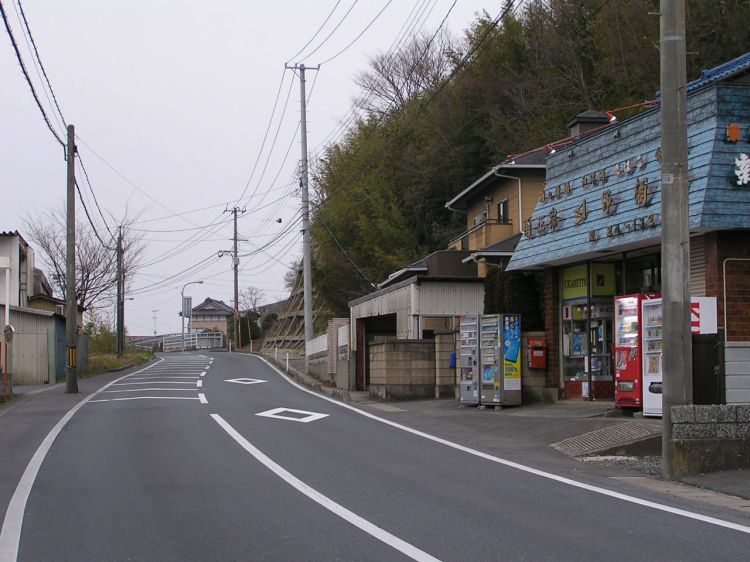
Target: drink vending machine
{"type": "Point", "coordinates": [651, 314]}
{"type": "Point", "coordinates": [629, 350]}
{"type": "Point", "coordinates": [469, 360]}
{"type": "Point", "coordinates": [491, 360]}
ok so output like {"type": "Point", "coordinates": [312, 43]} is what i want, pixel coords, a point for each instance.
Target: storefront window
{"type": "Point", "coordinates": [587, 327]}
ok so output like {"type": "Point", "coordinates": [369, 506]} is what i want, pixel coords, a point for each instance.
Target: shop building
{"type": "Point", "coordinates": [596, 233]}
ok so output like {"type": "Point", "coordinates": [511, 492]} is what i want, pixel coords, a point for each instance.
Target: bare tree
{"type": "Point", "coordinates": [250, 298]}
{"type": "Point", "coordinates": [96, 263]}
{"type": "Point", "coordinates": [396, 78]}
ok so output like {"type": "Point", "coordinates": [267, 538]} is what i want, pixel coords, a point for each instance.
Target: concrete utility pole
{"type": "Point", "coordinates": [306, 247]}
{"type": "Point", "coordinates": [71, 307]}
{"type": "Point", "coordinates": [677, 368]}
{"type": "Point", "coordinates": [120, 297]}
{"type": "Point", "coordinates": [236, 265]}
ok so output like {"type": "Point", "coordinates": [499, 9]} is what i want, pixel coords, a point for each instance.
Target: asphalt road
{"type": "Point", "coordinates": [219, 457]}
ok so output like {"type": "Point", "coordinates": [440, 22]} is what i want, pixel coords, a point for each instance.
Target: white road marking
{"type": "Point", "coordinates": [152, 382]}
{"type": "Point", "coordinates": [207, 367]}
{"type": "Point", "coordinates": [350, 517]}
{"type": "Point", "coordinates": [158, 377]}
{"type": "Point", "coordinates": [150, 389]}
{"type": "Point", "coordinates": [10, 535]}
{"type": "Point", "coordinates": [524, 468]}
{"type": "Point", "coordinates": [245, 381]}
{"type": "Point", "coordinates": [199, 383]}
{"type": "Point", "coordinates": [308, 416]}
{"type": "Point", "coordinates": [203, 374]}
{"type": "Point", "coordinates": [146, 398]}
{"type": "Point", "coordinates": [202, 398]}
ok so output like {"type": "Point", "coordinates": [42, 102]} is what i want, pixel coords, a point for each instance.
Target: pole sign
{"type": "Point", "coordinates": [187, 307]}
{"type": "Point", "coordinates": [703, 317]}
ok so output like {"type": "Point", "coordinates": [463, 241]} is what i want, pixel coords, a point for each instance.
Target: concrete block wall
{"type": "Point", "coordinates": [402, 369]}
{"type": "Point", "coordinates": [445, 376]}
{"type": "Point", "coordinates": [710, 438]}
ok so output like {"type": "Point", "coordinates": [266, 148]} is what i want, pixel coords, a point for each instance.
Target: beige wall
{"type": "Point", "coordinates": [212, 325]}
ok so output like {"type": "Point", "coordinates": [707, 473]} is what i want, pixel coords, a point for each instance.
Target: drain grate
{"type": "Point", "coordinates": [606, 438]}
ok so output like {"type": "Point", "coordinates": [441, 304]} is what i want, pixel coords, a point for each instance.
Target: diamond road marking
{"type": "Point", "coordinates": [307, 416]}
{"type": "Point", "coordinates": [245, 381]}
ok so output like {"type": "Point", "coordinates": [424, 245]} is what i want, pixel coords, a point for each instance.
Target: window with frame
{"type": "Point", "coordinates": [503, 212]}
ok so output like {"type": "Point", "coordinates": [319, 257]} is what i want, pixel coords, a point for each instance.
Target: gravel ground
{"type": "Point", "coordinates": [643, 465]}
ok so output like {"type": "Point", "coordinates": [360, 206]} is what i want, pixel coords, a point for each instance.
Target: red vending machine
{"type": "Point", "coordinates": [628, 350]}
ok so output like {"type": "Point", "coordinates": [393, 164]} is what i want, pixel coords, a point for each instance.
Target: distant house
{"type": "Point", "coordinates": [211, 315]}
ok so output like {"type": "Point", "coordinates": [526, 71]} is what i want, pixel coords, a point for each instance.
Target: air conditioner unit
{"type": "Point", "coordinates": [60, 309]}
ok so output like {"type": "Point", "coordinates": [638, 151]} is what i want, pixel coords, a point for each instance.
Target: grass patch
{"type": "Point", "coordinates": [102, 362]}
{"type": "Point", "coordinates": [9, 399]}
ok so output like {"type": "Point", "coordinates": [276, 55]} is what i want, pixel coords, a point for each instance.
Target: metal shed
{"type": "Point", "coordinates": [413, 309]}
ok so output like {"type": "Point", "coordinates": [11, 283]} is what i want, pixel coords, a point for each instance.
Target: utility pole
{"type": "Point", "coordinates": [120, 297]}
{"type": "Point", "coordinates": [306, 251]}
{"type": "Point", "coordinates": [236, 264]}
{"type": "Point", "coordinates": [71, 308]}
{"type": "Point", "coordinates": [677, 368]}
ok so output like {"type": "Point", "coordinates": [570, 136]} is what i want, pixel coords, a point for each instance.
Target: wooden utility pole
{"type": "Point", "coordinates": [71, 310]}
{"type": "Point", "coordinates": [677, 368]}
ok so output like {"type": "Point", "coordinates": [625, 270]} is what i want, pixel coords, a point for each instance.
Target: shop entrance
{"type": "Point", "coordinates": [587, 330]}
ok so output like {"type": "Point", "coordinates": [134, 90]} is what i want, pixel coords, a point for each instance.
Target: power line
{"type": "Point", "coordinates": [28, 78]}
{"type": "Point", "coordinates": [39, 60]}
{"type": "Point", "coordinates": [333, 30]}
{"type": "Point", "coordinates": [325, 21]}
{"type": "Point", "coordinates": [360, 34]}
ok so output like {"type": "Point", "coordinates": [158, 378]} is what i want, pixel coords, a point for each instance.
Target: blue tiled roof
{"type": "Point", "coordinates": [721, 72]}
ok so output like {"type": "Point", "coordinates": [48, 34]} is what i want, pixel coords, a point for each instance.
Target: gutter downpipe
{"type": "Point", "coordinates": [520, 197]}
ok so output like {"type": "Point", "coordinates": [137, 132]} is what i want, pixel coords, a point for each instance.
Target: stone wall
{"type": "Point", "coordinates": [402, 369]}
{"type": "Point", "coordinates": [710, 438]}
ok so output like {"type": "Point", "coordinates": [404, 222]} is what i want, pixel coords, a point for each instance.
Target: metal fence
{"type": "Point", "coordinates": [203, 340]}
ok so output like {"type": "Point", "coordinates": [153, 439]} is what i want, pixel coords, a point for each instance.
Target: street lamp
{"type": "Point", "coordinates": [182, 294]}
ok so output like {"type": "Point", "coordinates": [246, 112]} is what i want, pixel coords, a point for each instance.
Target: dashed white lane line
{"type": "Point", "coordinates": [202, 398]}
{"type": "Point", "coordinates": [350, 517]}
{"type": "Point", "coordinates": [203, 374]}
{"type": "Point", "coordinates": [524, 468]}
{"type": "Point", "coordinates": [146, 398]}
{"type": "Point", "coordinates": [199, 384]}
{"type": "Point", "coordinates": [207, 367]}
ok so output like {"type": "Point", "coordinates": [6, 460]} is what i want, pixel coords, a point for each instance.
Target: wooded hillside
{"type": "Point", "coordinates": [430, 124]}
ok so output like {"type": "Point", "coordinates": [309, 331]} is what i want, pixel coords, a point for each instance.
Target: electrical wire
{"type": "Point", "coordinates": [358, 36]}
{"type": "Point", "coordinates": [27, 77]}
{"type": "Point", "coordinates": [332, 31]}
{"type": "Point", "coordinates": [325, 21]}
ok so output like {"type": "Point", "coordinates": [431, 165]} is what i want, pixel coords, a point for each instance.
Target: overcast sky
{"type": "Point", "coordinates": [171, 100]}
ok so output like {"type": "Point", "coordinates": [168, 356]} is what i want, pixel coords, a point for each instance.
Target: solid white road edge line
{"type": "Point", "coordinates": [522, 467]}
{"type": "Point", "coordinates": [350, 517]}
{"type": "Point", "coordinates": [10, 535]}
{"type": "Point", "coordinates": [150, 389]}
